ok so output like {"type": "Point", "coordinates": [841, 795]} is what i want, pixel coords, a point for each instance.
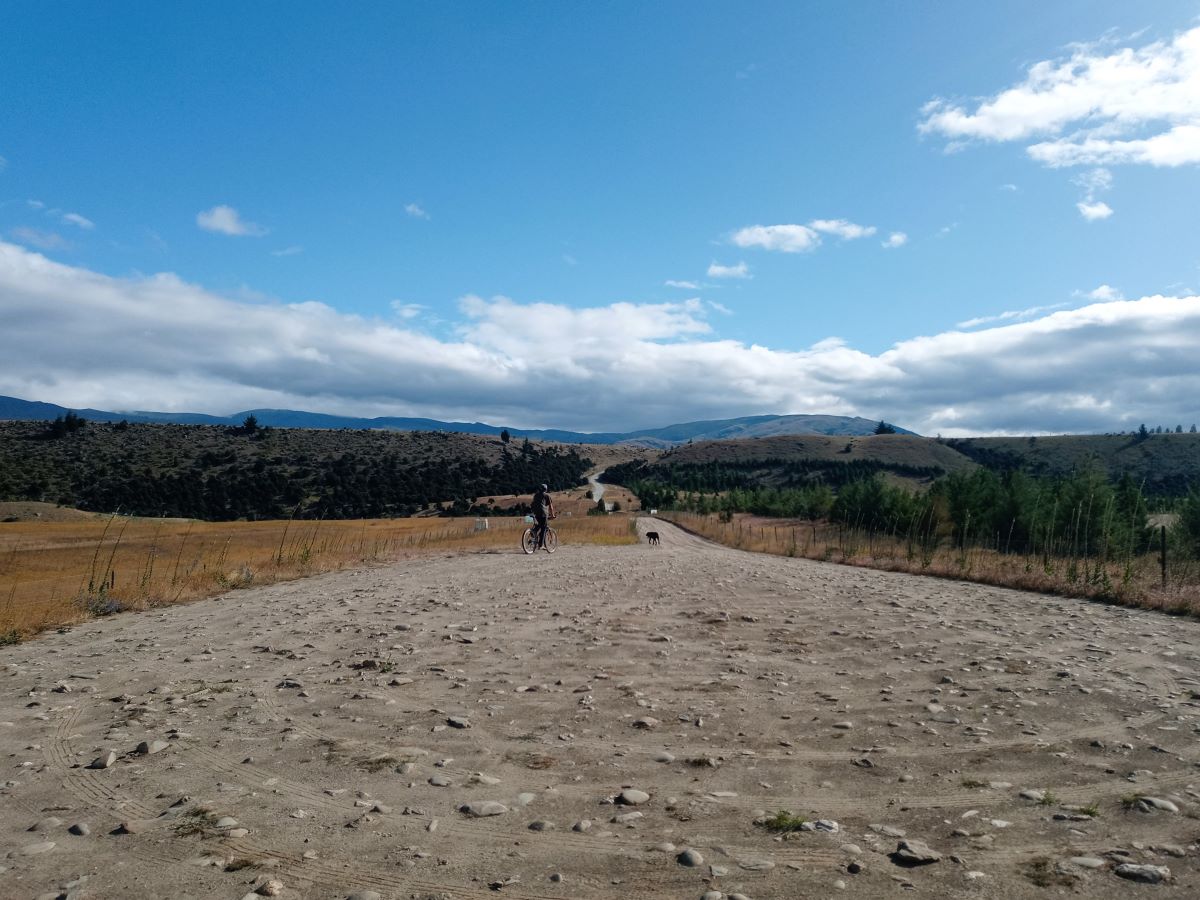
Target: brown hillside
{"type": "Point", "coordinates": [1163, 463]}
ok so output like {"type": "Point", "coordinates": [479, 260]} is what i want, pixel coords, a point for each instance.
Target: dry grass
{"type": "Point", "coordinates": [58, 573]}
{"type": "Point", "coordinates": [1138, 583]}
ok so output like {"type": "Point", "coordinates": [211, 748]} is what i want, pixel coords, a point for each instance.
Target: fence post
{"type": "Point", "coordinates": [1163, 554]}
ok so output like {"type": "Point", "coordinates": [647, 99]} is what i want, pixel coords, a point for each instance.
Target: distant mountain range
{"type": "Point", "coordinates": [669, 436]}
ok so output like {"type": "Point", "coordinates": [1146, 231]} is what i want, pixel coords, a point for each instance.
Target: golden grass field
{"type": "Point", "coordinates": [1137, 584]}
{"type": "Point", "coordinates": [56, 573]}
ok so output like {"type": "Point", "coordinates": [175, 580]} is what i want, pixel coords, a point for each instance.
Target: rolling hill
{"type": "Point", "coordinates": [15, 409]}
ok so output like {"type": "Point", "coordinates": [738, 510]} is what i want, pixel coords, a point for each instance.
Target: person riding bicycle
{"type": "Point", "coordinates": [543, 510]}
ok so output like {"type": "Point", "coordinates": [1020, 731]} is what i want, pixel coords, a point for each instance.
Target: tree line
{"type": "Point", "coordinates": [223, 474]}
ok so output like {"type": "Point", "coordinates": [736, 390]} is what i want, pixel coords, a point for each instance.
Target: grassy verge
{"type": "Point", "coordinates": [58, 573]}
{"type": "Point", "coordinates": [1134, 583]}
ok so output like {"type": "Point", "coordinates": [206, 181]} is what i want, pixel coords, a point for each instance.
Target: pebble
{"type": "Point", "coordinates": [690, 858]}
{"type": "Point", "coordinates": [632, 797]}
{"type": "Point", "coordinates": [458, 722]}
{"type": "Point", "coordinates": [1144, 874]}
{"type": "Point", "coordinates": [105, 761]}
{"type": "Point", "coordinates": [365, 895]}
{"type": "Point", "coordinates": [481, 809]}
{"type": "Point", "coordinates": [1147, 804]}
{"type": "Point", "coordinates": [582, 825]}
{"type": "Point", "coordinates": [843, 726]}
{"type": "Point", "coordinates": [912, 852]}
{"type": "Point", "coordinates": [145, 748]}
{"type": "Point", "coordinates": [270, 888]}
{"type": "Point", "coordinates": [81, 829]}
{"type": "Point", "coordinates": [34, 849]}
{"type": "Point", "coordinates": [1086, 862]}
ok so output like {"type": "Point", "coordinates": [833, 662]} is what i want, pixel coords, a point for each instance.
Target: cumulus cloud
{"type": "Point", "coordinates": [288, 251]}
{"type": "Point", "coordinates": [1104, 293]}
{"type": "Point", "coordinates": [798, 238]}
{"type": "Point", "coordinates": [896, 239]}
{"type": "Point", "coordinates": [226, 220]}
{"type": "Point", "coordinates": [415, 210]}
{"type": "Point", "coordinates": [80, 338]}
{"type": "Point", "coordinates": [1094, 212]}
{"type": "Point", "coordinates": [1099, 106]}
{"type": "Point", "coordinates": [716, 270]}
{"type": "Point", "coordinates": [686, 285]}
{"type": "Point", "coordinates": [848, 231]}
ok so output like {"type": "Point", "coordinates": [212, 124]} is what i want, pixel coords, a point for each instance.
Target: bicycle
{"type": "Point", "coordinates": [530, 542]}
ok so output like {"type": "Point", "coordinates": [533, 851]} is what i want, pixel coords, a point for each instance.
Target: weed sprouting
{"type": "Point", "coordinates": [782, 822]}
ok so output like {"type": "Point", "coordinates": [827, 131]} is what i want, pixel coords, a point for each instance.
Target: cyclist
{"type": "Point", "coordinates": [543, 509]}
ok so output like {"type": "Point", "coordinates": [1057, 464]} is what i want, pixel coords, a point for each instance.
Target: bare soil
{"type": "Point", "coordinates": [325, 718]}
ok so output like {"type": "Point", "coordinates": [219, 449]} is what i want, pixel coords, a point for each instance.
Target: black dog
{"type": "Point", "coordinates": [652, 537]}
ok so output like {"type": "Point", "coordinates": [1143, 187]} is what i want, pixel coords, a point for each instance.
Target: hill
{"type": "Point", "coordinates": [221, 473]}
{"type": "Point", "coordinates": [15, 409]}
{"type": "Point", "coordinates": [1164, 464]}
{"type": "Point", "coordinates": [792, 462]}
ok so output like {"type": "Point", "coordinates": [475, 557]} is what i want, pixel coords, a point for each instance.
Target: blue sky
{"type": "Point", "coordinates": [439, 209]}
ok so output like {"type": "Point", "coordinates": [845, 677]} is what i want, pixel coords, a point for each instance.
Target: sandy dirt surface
{"type": "Point", "coordinates": [604, 722]}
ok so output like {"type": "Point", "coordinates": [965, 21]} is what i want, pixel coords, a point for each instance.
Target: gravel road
{"type": "Point", "coordinates": [606, 722]}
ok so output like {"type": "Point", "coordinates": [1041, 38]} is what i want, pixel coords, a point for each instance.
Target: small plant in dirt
{"type": "Point", "coordinates": [1041, 871]}
{"type": "Point", "coordinates": [10, 637]}
{"type": "Point", "coordinates": [1092, 810]}
{"type": "Point", "coordinates": [239, 863]}
{"type": "Point", "coordinates": [973, 783]}
{"type": "Point", "coordinates": [1129, 801]}
{"type": "Point", "coordinates": [1048, 799]}
{"type": "Point", "coordinates": [202, 823]}
{"type": "Point", "coordinates": [783, 822]}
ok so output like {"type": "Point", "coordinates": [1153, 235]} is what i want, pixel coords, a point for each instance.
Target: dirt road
{"type": "Point", "coordinates": [465, 726]}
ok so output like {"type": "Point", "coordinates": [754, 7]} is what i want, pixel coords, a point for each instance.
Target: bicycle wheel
{"type": "Point", "coordinates": [529, 541]}
{"type": "Point", "coordinates": [551, 540]}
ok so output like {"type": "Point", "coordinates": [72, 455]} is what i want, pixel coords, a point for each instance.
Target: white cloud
{"type": "Point", "coordinates": [407, 310]}
{"type": "Point", "coordinates": [37, 237]}
{"type": "Point", "coordinates": [226, 220]}
{"type": "Point", "coordinates": [1011, 188]}
{"type": "Point", "coordinates": [1099, 106]}
{"type": "Point", "coordinates": [798, 238]}
{"type": "Point", "coordinates": [293, 250]}
{"type": "Point", "coordinates": [1009, 316]}
{"type": "Point", "coordinates": [1094, 211]}
{"type": "Point", "coordinates": [716, 270]}
{"type": "Point", "coordinates": [846, 230]}
{"type": "Point", "coordinates": [80, 338]}
{"type": "Point", "coordinates": [1103, 293]}
{"type": "Point", "coordinates": [79, 221]}
{"type": "Point", "coordinates": [896, 239]}
{"type": "Point", "coordinates": [1094, 181]}
{"type": "Point", "coordinates": [35, 204]}
{"type": "Point", "coordinates": [415, 210]}
{"type": "Point", "coordinates": [686, 285]}
{"type": "Point", "coordinates": [785, 238]}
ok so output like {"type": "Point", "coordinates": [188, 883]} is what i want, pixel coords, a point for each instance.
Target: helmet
{"type": "Point", "coordinates": [545, 487]}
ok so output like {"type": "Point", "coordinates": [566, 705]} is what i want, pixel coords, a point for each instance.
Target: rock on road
{"type": "Point", "coordinates": [606, 722]}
